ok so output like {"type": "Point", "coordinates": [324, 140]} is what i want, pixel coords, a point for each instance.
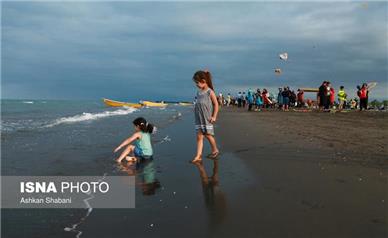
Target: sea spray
{"type": "Point", "coordinates": [86, 116]}
{"type": "Point", "coordinates": [31, 124]}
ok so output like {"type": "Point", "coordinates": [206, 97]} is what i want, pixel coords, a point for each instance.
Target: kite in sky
{"type": "Point", "coordinates": [284, 56]}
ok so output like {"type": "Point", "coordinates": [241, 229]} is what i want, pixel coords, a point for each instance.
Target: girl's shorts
{"type": "Point", "coordinates": [139, 154]}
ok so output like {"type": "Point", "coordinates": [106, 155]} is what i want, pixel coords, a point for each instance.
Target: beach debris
{"type": "Point", "coordinates": [186, 207]}
{"type": "Point", "coordinates": [166, 138]}
{"type": "Point", "coordinates": [278, 71]}
{"type": "Point", "coordinates": [359, 179]}
{"type": "Point", "coordinates": [283, 56]}
{"type": "Point", "coordinates": [152, 225]}
{"type": "Point", "coordinates": [174, 193]}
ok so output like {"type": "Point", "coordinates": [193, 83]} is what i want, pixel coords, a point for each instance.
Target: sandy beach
{"type": "Point", "coordinates": [319, 174]}
{"type": "Point", "coordinates": [280, 174]}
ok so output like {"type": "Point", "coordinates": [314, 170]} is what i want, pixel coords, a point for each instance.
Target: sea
{"type": "Point", "coordinates": [174, 198]}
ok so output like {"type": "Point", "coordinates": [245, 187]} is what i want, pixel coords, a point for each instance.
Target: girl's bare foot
{"type": "Point", "coordinates": [196, 159]}
{"type": "Point", "coordinates": [130, 159]}
{"type": "Point", "coordinates": [213, 155]}
{"type": "Point", "coordinates": [118, 160]}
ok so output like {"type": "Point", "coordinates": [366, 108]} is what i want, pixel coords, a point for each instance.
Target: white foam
{"type": "Point", "coordinates": [28, 102]}
{"type": "Point", "coordinates": [89, 208]}
{"type": "Point", "coordinates": [86, 116]}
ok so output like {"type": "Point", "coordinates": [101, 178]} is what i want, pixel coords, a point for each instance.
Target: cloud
{"type": "Point", "coordinates": [95, 49]}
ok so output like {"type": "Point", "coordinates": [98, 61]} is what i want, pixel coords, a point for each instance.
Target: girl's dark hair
{"type": "Point", "coordinates": [143, 125]}
{"type": "Point", "coordinates": [201, 76]}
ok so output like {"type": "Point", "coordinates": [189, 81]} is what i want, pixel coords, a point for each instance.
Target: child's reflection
{"type": "Point", "coordinates": [144, 170]}
{"type": "Point", "coordinates": [215, 199]}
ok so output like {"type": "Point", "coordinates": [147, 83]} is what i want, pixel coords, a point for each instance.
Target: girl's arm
{"type": "Point", "coordinates": [215, 107]}
{"type": "Point", "coordinates": [134, 137]}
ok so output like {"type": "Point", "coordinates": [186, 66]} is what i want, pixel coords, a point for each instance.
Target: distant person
{"type": "Point", "coordinates": [342, 98]}
{"type": "Point", "coordinates": [327, 96]}
{"type": "Point", "coordinates": [244, 100]}
{"type": "Point", "coordinates": [300, 98]}
{"type": "Point", "coordinates": [220, 99]}
{"type": "Point", "coordinates": [250, 100]}
{"type": "Point", "coordinates": [322, 95]}
{"type": "Point", "coordinates": [205, 111]}
{"type": "Point", "coordinates": [363, 95]}
{"type": "Point", "coordinates": [292, 97]}
{"type": "Point", "coordinates": [332, 96]}
{"type": "Point", "coordinates": [266, 100]}
{"type": "Point", "coordinates": [142, 148]}
{"type": "Point", "coordinates": [239, 99]}
{"type": "Point", "coordinates": [258, 99]}
{"type": "Point", "coordinates": [280, 98]}
{"type": "Point", "coordinates": [228, 100]}
{"type": "Point", "coordinates": [286, 98]}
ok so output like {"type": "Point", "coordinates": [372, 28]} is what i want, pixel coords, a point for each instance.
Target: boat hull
{"type": "Point", "coordinates": [113, 103]}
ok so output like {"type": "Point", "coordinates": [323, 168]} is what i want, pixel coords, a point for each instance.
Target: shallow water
{"type": "Point", "coordinates": [173, 196]}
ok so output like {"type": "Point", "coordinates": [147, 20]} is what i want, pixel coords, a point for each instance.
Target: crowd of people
{"type": "Point", "coordinates": [286, 98]}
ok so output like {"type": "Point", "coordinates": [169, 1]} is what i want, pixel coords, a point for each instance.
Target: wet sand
{"type": "Point", "coordinates": [274, 178]}
{"type": "Point", "coordinates": [315, 176]}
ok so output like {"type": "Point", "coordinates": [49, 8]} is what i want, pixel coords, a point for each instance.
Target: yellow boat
{"type": "Point", "coordinates": [153, 104]}
{"type": "Point", "coordinates": [185, 104]}
{"type": "Point", "coordinates": [113, 103]}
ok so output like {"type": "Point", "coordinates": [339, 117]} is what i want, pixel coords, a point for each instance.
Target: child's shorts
{"type": "Point", "coordinates": [139, 154]}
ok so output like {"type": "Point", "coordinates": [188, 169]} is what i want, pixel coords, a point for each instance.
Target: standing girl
{"type": "Point", "coordinates": [206, 110]}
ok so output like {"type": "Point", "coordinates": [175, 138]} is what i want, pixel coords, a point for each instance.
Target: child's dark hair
{"type": "Point", "coordinates": [200, 76]}
{"type": "Point", "coordinates": [143, 125]}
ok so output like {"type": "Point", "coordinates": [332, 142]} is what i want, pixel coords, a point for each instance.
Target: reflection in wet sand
{"type": "Point", "coordinates": [144, 170]}
{"type": "Point", "coordinates": [215, 199]}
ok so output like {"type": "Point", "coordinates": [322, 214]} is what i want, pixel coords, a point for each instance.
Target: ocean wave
{"type": "Point", "coordinates": [29, 124]}
{"type": "Point", "coordinates": [86, 116]}
{"type": "Point", "coordinates": [28, 102]}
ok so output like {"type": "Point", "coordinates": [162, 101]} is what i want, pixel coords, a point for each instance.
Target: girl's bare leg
{"type": "Point", "coordinates": [199, 147]}
{"type": "Point", "coordinates": [126, 152]}
{"type": "Point", "coordinates": [213, 143]}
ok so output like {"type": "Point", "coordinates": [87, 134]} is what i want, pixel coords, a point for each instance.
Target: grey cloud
{"type": "Point", "coordinates": [97, 49]}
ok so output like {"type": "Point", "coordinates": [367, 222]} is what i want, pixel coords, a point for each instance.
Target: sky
{"type": "Point", "coordinates": [150, 50]}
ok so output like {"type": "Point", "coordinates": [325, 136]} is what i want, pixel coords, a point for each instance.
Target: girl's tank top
{"type": "Point", "coordinates": [144, 143]}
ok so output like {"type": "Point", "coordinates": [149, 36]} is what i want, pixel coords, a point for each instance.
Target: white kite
{"type": "Point", "coordinates": [284, 56]}
{"type": "Point", "coordinates": [371, 85]}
